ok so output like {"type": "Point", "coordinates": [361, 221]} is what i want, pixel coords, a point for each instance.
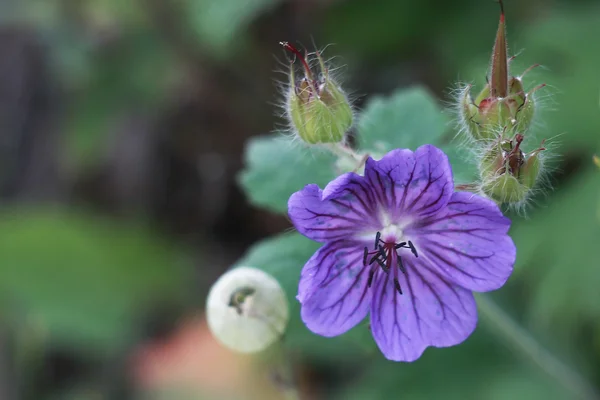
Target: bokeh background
{"type": "Point", "coordinates": [122, 131]}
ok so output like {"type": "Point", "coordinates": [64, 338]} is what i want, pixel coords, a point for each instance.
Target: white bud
{"type": "Point", "coordinates": [247, 310]}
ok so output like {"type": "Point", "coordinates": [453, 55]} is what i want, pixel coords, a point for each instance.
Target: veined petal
{"type": "Point", "coordinates": [334, 290]}
{"type": "Point", "coordinates": [467, 243]}
{"type": "Point", "coordinates": [414, 184]}
{"type": "Point", "coordinates": [343, 209]}
{"type": "Point", "coordinates": [430, 312]}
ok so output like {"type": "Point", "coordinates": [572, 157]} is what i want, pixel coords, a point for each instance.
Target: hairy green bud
{"type": "Point", "coordinates": [508, 175]}
{"type": "Point", "coordinates": [502, 105]}
{"type": "Point", "coordinates": [318, 109]}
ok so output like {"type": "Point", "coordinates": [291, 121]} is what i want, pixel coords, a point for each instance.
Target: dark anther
{"type": "Point", "coordinates": [374, 258]}
{"type": "Point", "coordinates": [383, 255]}
{"type": "Point", "coordinates": [413, 249]}
{"type": "Point", "coordinates": [397, 284]}
{"type": "Point", "coordinates": [400, 265]}
{"type": "Point", "coordinates": [382, 265]}
{"type": "Point", "coordinates": [377, 239]}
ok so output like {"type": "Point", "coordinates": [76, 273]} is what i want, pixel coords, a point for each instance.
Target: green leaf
{"type": "Point", "coordinates": [283, 257]}
{"type": "Point", "coordinates": [409, 118]}
{"type": "Point", "coordinates": [83, 280]}
{"type": "Point", "coordinates": [276, 168]}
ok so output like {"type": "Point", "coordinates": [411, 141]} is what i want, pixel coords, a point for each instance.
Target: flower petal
{"type": "Point", "coordinates": [345, 207]}
{"type": "Point", "coordinates": [430, 312]}
{"type": "Point", "coordinates": [333, 289]}
{"type": "Point", "coordinates": [408, 183]}
{"type": "Point", "coordinates": [467, 243]}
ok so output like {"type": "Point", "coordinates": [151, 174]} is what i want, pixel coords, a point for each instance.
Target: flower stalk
{"type": "Point", "coordinates": [526, 345]}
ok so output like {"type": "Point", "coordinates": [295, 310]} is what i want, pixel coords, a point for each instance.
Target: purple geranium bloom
{"type": "Point", "coordinates": [400, 243]}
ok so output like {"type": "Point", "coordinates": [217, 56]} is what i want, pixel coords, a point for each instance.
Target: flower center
{"type": "Point", "coordinates": [386, 255]}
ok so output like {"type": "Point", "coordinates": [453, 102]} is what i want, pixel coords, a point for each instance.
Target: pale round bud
{"type": "Point", "coordinates": [247, 310]}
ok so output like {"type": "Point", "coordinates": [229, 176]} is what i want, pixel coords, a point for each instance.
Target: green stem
{"type": "Point", "coordinates": [518, 337]}
{"type": "Point", "coordinates": [341, 150]}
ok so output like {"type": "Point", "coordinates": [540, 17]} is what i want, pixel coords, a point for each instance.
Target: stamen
{"type": "Point", "coordinates": [376, 257]}
{"type": "Point", "coordinates": [397, 284]}
{"type": "Point", "coordinates": [382, 265]}
{"type": "Point", "coordinates": [401, 265]}
{"type": "Point", "coordinates": [383, 255]}
{"type": "Point", "coordinates": [413, 249]}
{"type": "Point", "coordinates": [370, 281]}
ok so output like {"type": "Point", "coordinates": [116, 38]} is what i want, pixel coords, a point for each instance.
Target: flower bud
{"type": "Point", "coordinates": [247, 310]}
{"type": "Point", "coordinates": [507, 173]}
{"type": "Point", "coordinates": [503, 103]}
{"type": "Point", "coordinates": [317, 108]}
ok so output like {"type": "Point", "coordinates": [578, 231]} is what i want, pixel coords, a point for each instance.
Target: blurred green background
{"type": "Point", "coordinates": [122, 130]}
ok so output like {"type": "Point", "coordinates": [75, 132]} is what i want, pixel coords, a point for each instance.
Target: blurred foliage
{"type": "Point", "coordinates": [219, 25]}
{"type": "Point", "coordinates": [83, 282]}
{"type": "Point", "coordinates": [558, 249]}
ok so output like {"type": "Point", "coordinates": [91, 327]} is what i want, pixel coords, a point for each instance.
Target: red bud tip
{"type": "Point", "coordinates": [499, 75]}
{"type": "Point", "coordinates": [297, 53]}
{"type": "Point", "coordinates": [519, 139]}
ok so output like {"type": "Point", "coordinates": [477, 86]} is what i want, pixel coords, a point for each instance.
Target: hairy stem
{"type": "Point", "coordinates": [342, 150]}
{"type": "Point", "coordinates": [522, 341]}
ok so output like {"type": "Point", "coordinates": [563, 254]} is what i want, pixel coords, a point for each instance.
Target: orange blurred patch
{"type": "Point", "coordinates": [192, 360]}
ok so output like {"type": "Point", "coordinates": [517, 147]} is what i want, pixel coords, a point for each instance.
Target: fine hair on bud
{"type": "Point", "coordinates": [247, 310]}
{"type": "Point", "coordinates": [503, 102]}
{"type": "Point", "coordinates": [512, 176]}
{"type": "Point", "coordinates": [316, 108]}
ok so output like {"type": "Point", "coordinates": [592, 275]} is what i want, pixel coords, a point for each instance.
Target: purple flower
{"type": "Point", "coordinates": [402, 245]}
